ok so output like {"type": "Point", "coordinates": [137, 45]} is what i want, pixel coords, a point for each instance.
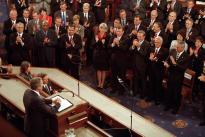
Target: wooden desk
{"type": "Point", "coordinates": [107, 106]}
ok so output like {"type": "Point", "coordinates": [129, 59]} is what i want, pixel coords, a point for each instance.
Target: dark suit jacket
{"type": "Point", "coordinates": [48, 89]}
{"type": "Point", "coordinates": [7, 31]}
{"type": "Point", "coordinates": [132, 27]}
{"type": "Point", "coordinates": [91, 19]}
{"type": "Point", "coordinates": [201, 27]}
{"type": "Point", "coordinates": [20, 52]}
{"type": "Point", "coordinates": [140, 57]}
{"type": "Point", "coordinates": [177, 9]}
{"type": "Point", "coordinates": [73, 50]}
{"type": "Point", "coordinates": [162, 54]}
{"type": "Point", "coordinates": [142, 8]}
{"type": "Point", "coordinates": [21, 19]}
{"type": "Point", "coordinates": [46, 51]}
{"type": "Point", "coordinates": [192, 35]}
{"type": "Point", "coordinates": [164, 36]}
{"type": "Point", "coordinates": [181, 66]}
{"type": "Point", "coordinates": [37, 111]}
{"type": "Point", "coordinates": [172, 35]}
{"type": "Point", "coordinates": [62, 31]}
{"type": "Point", "coordinates": [193, 14]}
{"type": "Point", "coordinates": [119, 53]}
{"type": "Point", "coordinates": [69, 15]}
{"type": "Point", "coordinates": [161, 9]}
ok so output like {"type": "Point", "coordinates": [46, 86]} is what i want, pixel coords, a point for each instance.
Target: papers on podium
{"type": "Point", "coordinates": [64, 103]}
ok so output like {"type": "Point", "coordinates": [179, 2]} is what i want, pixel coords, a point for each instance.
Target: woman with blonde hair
{"type": "Point", "coordinates": [100, 54]}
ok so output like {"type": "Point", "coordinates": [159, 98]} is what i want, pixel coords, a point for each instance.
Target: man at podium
{"type": "Point", "coordinates": [37, 109]}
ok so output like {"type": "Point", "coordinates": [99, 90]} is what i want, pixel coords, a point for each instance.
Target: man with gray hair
{"type": "Point", "coordinates": [20, 45]}
{"type": "Point", "coordinates": [156, 70]}
{"type": "Point", "coordinates": [37, 109]}
{"type": "Point", "coordinates": [176, 64]}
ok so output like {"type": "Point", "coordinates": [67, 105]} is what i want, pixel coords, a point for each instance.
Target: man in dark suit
{"type": "Point", "coordinates": [175, 6]}
{"type": "Point", "coordinates": [136, 26]}
{"type": "Point", "coordinates": [124, 19]}
{"type": "Point", "coordinates": [20, 45]}
{"type": "Point", "coordinates": [70, 45]}
{"type": "Point", "coordinates": [9, 28]}
{"type": "Point", "coordinates": [139, 7]}
{"type": "Point", "coordinates": [119, 50]}
{"type": "Point", "coordinates": [25, 19]}
{"type": "Point", "coordinates": [60, 31]}
{"type": "Point", "coordinates": [37, 109]}
{"type": "Point", "coordinates": [177, 64]}
{"type": "Point", "coordinates": [140, 49]}
{"type": "Point", "coordinates": [20, 6]}
{"type": "Point", "coordinates": [160, 6]}
{"type": "Point", "coordinates": [99, 8]}
{"type": "Point", "coordinates": [47, 86]}
{"type": "Point", "coordinates": [188, 12]}
{"type": "Point", "coordinates": [191, 32]}
{"type": "Point", "coordinates": [156, 70]}
{"type": "Point", "coordinates": [157, 30]}
{"type": "Point", "coordinates": [201, 23]}
{"type": "Point", "coordinates": [65, 14]}
{"type": "Point", "coordinates": [46, 40]}
{"type": "Point", "coordinates": [87, 19]}
{"type": "Point", "coordinates": [172, 27]}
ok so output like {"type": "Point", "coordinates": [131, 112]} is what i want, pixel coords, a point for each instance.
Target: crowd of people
{"type": "Point", "coordinates": [150, 38]}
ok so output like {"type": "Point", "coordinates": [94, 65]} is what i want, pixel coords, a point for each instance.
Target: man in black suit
{"type": "Point", "coordinates": [20, 45]}
{"type": "Point", "coordinates": [46, 40]}
{"type": "Point", "coordinates": [160, 6]}
{"type": "Point", "coordinates": [172, 27]}
{"type": "Point", "coordinates": [124, 19]}
{"type": "Point", "coordinates": [188, 12]}
{"type": "Point", "coordinates": [47, 86]}
{"type": "Point", "coordinates": [136, 26]}
{"type": "Point", "coordinates": [119, 50]}
{"type": "Point", "coordinates": [156, 70]}
{"type": "Point", "coordinates": [20, 5]}
{"type": "Point", "coordinates": [9, 28]}
{"type": "Point", "coordinates": [65, 14]}
{"type": "Point", "coordinates": [37, 109]}
{"type": "Point", "coordinates": [175, 6]}
{"type": "Point", "coordinates": [99, 8]}
{"type": "Point", "coordinates": [177, 64]}
{"type": "Point", "coordinates": [201, 23]}
{"type": "Point", "coordinates": [139, 7]}
{"type": "Point", "coordinates": [157, 30]}
{"type": "Point", "coordinates": [60, 31]}
{"type": "Point", "coordinates": [25, 19]}
{"type": "Point", "coordinates": [70, 45]}
{"type": "Point", "coordinates": [87, 19]}
{"type": "Point", "coordinates": [190, 32]}
{"type": "Point", "coordinates": [140, 49]}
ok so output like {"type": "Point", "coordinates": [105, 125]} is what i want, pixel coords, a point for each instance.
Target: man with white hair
{"type": "Point", "coordinates": [20, 45]}
{"type": "Point", "coordinates": [156, 70]}
{"type": "Point", "coordinates": [176, 64]}
{"type": "Point", "coordinates": [9, 28]}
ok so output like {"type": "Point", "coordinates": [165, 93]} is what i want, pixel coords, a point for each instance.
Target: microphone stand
{"type": "Point", "coordinates": [125, 86]}
{"type": "Point", "coordinates": [65, 90]}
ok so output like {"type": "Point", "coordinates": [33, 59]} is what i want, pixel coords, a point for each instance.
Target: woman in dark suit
{"type": "Point", "coordinates": [100, 54]}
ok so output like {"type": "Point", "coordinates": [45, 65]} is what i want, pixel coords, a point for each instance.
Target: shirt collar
{"type": "Point", "coordinates": [36, 92]}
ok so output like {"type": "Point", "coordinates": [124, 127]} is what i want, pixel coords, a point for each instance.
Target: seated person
{"type": "Point", "coordinates": [25, 70]}
{"type": "Point", "coordinates": [47, 86]}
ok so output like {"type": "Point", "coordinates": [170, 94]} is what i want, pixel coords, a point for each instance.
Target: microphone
{"type": "Point", "coordinates": [65, 90]}
{"type": "Point", "coordinates": [124, 85]}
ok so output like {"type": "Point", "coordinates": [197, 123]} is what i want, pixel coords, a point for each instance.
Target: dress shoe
{"type": "Point", "coordinates": [202, 123]}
